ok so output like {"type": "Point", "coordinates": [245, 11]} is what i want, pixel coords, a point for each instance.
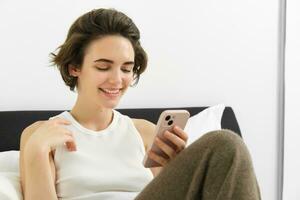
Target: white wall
{"type": "Point", "coordinates": [292, 99]}
{"type": "Point", "coordinates": [201, 53]}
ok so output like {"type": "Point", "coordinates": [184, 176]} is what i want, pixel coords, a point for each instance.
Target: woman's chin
{"type": "Point", "coordinates": [110, 104]}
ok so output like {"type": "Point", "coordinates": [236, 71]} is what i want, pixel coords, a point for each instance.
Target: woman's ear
{"type": "Point", "coordinates": [73, 71]}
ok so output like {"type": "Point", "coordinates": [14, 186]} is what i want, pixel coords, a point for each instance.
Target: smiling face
{"type": "Point", "coordinates": [106, 71]}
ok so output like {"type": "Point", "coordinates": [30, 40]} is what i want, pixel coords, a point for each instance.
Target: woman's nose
{"type": "Point", "coordinates": [115, 77]}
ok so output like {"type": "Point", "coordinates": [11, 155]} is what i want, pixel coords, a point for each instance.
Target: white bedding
{"type": "Point", "coordinates": [10, 188]}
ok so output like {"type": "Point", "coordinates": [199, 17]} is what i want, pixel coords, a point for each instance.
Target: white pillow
{"type": "Point", "coordinates": [203, 122]}
{"type": "Point", "coordinates": [9, 161]}
{"type": "Point", "coordinates": [10, 188]}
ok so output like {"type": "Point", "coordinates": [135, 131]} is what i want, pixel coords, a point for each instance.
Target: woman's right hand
{"type": "Point", "coordinates": [50, 134]}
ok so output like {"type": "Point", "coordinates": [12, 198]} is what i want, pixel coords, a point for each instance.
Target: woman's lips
{"type": "Point", "coordinates": [110, 92]}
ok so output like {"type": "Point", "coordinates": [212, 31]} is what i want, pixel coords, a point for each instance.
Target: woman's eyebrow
{"type": "Point", "coordinates": [112, 62]}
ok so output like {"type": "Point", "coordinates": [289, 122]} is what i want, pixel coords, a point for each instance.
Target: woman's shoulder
{"type": "Point", "coordinates": [142, 122]}
{"type": "Point", "coordinates": [144, 125]}
{"type": "Point", "coordinates": [146, 130]}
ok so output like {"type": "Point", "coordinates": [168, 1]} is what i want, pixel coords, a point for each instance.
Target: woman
{"type": "Point", "coordinates": [95, 152]}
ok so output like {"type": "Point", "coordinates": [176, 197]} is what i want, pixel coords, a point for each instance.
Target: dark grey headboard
{"type": "Point", "coordinates": [13, 122]}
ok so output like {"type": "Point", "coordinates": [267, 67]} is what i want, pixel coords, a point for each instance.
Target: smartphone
{"type": "Point", "coordinates": [167, 120]}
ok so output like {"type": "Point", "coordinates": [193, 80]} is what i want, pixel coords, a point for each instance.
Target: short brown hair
{"type": "Point", "coordinates": [90, 26]}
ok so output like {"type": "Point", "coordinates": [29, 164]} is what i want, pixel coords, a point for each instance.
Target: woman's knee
{"type": "Point", "coordinates": [222, 141]}
{"type": "Point", "coordinates": [220, 136]}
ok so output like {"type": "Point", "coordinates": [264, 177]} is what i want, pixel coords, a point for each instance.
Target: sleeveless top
{"type": "Point", "coordinates": [107, 163]}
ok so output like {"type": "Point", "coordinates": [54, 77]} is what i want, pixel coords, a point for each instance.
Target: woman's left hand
{"type": "Point", "coordinates": [177, 137]}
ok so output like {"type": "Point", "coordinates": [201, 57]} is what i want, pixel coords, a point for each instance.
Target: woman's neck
{"type": "Point", "coordinates": [92, 118]}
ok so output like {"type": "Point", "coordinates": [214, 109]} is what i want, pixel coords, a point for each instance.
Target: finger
{"type": "Point", "coordinates": [180, 133]}
{"type": "Point", "coordinates": [71, 146]}
{"type": "Point", "coordinates": [157, 158]}
{"type": "Point", "coordinates": [61, 121]}
{"type": "Point", "coordinates": [70, 143]}
{"type": "Point", "coordinates": [60, 130]}
{"type": "Point", "coordinates": [165, 147]}
{"type": "Point", "coordinates": [176, 140]}
{"type": "Point", "coordinates": [66, 131]}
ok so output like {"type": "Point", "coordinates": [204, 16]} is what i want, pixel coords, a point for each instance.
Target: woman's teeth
{"type": "Point", "coordinates": [115, 91]}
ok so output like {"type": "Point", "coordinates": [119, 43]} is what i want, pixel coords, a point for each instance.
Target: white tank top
{"type": "Point", "coordinates": [107, 163]}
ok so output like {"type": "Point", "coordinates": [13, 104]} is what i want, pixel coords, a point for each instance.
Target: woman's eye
{"type": "Point", "coordinates": [101, 69]}
{"type": "Point", "coordinates": [126, 70]}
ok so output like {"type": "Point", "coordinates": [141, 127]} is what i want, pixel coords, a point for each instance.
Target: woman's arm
{"type": "Point", "coordinates": [147, 132]}
{"type": "Point", "coordinates": [37, 165]}
{"type": "Point", "coordinates": [37, 169]}
{"type": "Point", "coordinates": [40, 175]}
